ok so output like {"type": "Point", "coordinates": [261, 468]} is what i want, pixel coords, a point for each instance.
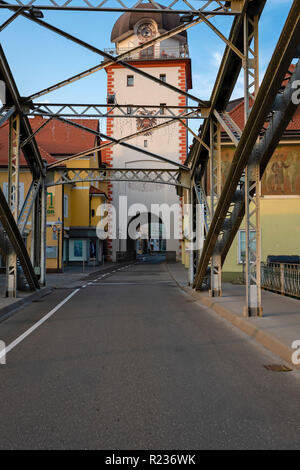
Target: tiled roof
{"type": "Point", "coordinates": [237, 112]}
{"type": "Point", "coordinates": [56, 138]}
{"type": "Point", "coordinates": [94, 190]}
{"type": "Point", "coordinates": [237, 115]}
{"type": "Point", "coordinates": [59, 138]}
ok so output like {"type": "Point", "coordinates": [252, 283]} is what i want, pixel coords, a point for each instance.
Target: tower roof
{"type": "Point", "coordinates": [124, 26]}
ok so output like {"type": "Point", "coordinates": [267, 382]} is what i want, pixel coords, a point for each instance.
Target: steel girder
{"type": "Point", "coordinates": [13, 198]}
{"type": "Point", "coordinates": [15, 238]}
{"type": "Point", "coordinates": [231, 206]}
{"type": "Point", "coordinates": [102, 65]}
{"type": "Point", "coordinates": [6, 113]}
{"type": "Point", "coordinates": [107, 56]}
{"type": "Point", "coordinates": [124, 111]}
{"type": "Point", "coordinates": [30, 199]}
{"type": "Point", "coordinates": [228, 74]}
{"type": "Point", "coordinates": [113, 141]}
{"type": "Point", "coordinates": [9, 212]}
{"type": "Point", "coordinates": [13, 99]}
{"type": "Point", "coordinates": [186, 6]}
{"type": "Point", "coordinates": [178, 178]}
{"type": "Point", "coordinates": [277, 125]}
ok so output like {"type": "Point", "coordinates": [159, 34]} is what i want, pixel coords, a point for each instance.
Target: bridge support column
{"type": "Point", "coordinates": [13, 198]}
{"type": "Point", "coordinates": [215, 191]}
{"type": "Point", "coordinates": [252, 177]}
{"type": "Point", "coordinates": [192, 235]}
{"type": "Point", "coordinates": [253, 241]}
{"type": "Point", "coordinates": [43, 232]}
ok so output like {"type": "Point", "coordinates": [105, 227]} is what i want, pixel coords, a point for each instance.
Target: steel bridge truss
{"type": "Point", "coordinates": [268, 111]}
{"type": "Point", "coordinates": [217, 211]}
{"type": "Point", "coordinates": [115, 111]}
{"type": "Point", "coordinates": [178, 178]}
{"type": "Point", "coordinates": [177, 6]}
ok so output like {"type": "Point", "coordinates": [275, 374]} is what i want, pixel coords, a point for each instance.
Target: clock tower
{"type": "Point", "coordinates": [168, 61]}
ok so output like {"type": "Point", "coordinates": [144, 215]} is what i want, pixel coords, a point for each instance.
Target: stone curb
{"type": "Point", "coordinates": [265, 339]}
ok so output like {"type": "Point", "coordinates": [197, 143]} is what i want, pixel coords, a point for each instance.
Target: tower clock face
{"type": "Point", "coordinates": [145, 31]}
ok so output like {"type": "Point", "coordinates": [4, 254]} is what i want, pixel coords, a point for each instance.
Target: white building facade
{"type": "Point", "coordinates": [168, 61]}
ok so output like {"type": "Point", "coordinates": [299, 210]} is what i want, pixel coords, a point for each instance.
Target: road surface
{"type": "Point", "coordinates": [130, 361]}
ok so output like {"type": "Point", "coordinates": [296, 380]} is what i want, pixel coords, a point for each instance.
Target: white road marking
{"type": "Point", "coordinates": [37, 324]}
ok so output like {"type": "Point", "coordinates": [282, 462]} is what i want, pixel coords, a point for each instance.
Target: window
{"type": "Point", "coordinates": [129, 109]}
{"type": "Point", "coordinates": [66, 206]}
{"type": "Point", "coordinates": [93, 213]}
{"type": "Point", "coordinates": [242, 244]}
{"type": "Point", "coordinates": [163, 77]}
{"type": "Point", "coordinates": [162, 108]}
{"type": "Point", "coordinates": [77, 250]}
{"type": "Point", "coordinates": [145, 143]}
{"type": "Point", "coordinates": [51, 252]}
{"type": "Point", "coordinates": [130, 80]}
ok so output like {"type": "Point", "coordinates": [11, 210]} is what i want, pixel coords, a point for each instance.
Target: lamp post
{"type": "Point", "coordinates": [56, 228]}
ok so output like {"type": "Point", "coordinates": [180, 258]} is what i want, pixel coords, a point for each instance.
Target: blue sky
{"type": "Point", "coordinates": [39, 58]}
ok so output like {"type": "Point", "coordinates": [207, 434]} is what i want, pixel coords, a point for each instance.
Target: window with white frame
{"type": "Point", "coordinates": [242, 244]}
{"type": "Point", "coordinates": [66, 206]}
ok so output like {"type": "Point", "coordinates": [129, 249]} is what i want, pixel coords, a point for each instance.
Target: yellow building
{"type": "Point", "coordinates": [71, 208]}
{"type": "Point", "coordinates": [279, 199]}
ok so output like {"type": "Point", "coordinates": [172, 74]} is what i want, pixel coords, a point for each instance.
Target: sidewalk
{"type": "Point", "coordinates": [276, 330]}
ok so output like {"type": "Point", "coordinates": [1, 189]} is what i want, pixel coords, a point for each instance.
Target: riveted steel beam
{"type": "Point", "coordinates": [283, 55]}
{"type": "Point", "coordinates": [61, 176]}
{"type": "Point", "coordinates": [190, 7]}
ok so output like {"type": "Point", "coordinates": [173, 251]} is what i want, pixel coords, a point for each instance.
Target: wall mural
{"type": "Point", "coordinates": [282, 175]}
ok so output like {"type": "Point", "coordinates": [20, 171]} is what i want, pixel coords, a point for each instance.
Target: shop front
{"type": "Point", "coordinates": [83, 247]}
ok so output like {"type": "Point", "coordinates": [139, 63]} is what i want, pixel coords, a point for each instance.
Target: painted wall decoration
{"type": "Point", "coordinates": [282, 175]}
{"type": "Point", "coordinates": [145, 123]}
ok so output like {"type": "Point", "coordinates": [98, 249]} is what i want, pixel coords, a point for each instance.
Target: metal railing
{"type": "Point", "coordinates": [282, 278]}
{"type": "Point", "coordinates": [176, 52]}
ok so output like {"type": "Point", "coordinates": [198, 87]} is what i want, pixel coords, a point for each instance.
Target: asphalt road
{"type": "Point", "coordinates": [132, 362]}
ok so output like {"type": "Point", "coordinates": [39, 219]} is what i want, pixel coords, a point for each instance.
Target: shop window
{"type": "Point", "coordinates": [77, 250]}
